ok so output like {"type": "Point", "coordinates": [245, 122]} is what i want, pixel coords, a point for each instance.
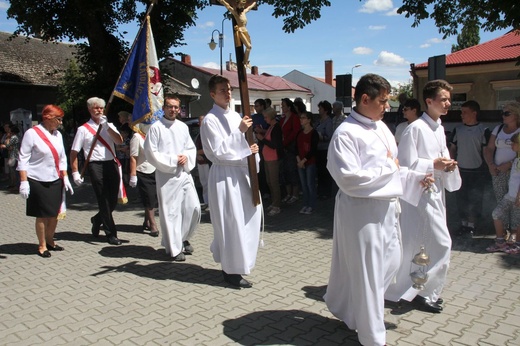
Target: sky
{"type": "Point", "coordinates": [349, 32]}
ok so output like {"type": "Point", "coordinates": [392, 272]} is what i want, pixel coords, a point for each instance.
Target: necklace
{"type": "Point", "coordinates": [385, 142]}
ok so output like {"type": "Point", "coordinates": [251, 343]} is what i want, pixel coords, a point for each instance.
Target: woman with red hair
{"type": "Point", "coordinates": [43, 176]}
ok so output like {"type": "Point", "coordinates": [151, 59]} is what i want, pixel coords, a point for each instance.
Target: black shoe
{"type": "Point", "coordinates": [114, 241]}
{"type": "Point", "coordinates": [426, 306]}
{"type": "Point", "coordinates": [236, 280]}
{"type": "Point", "coordinates": [188, 248]}
{"type": "Point", "coordinates": [179, 258]}
{"type": "Point", "coordinates": [440, 301]}
{"type": "Point", "coordinates": [145, 226]}
{"type": "Point", "coordinates": [95, 227]}
{"type": "Point", "coordinates": [56, 247]}
{"type": "Point", "coordinates": [45, 254]}
{"type": "Point", "coordinates": [154, 234]}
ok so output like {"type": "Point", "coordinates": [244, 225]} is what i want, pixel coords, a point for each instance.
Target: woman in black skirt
{"type": "Point", "coordinates": [43, 176]}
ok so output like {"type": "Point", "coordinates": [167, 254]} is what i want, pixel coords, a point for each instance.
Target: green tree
{"type": "Point", "coordinates": [406, 88]}
{"type": "Point", "coordinates": [98, 22]}
{"type": "Point", "coordinates": [468, 37]}
{"type": "Point", "coordinates": [448, 14]}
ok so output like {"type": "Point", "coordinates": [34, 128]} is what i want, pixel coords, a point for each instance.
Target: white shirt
{"type": "Point", "coordinates": [137, 150]}
{"type": "Point", "coordinates": [83, 140]}
{"type": "Point", "coordinates": [36, 157]}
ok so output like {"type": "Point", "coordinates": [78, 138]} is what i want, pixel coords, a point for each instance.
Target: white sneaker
{"type": "Point", "coordinates": [274, 211]}
{"type": "Point", "coordinates": [292, 200]}
{"type": "Point", "coordinates": [303, 210]}
{"type": "Point", "coordinates": [286, 198]}
{"type": "Point", "coordinates": [308, 211]}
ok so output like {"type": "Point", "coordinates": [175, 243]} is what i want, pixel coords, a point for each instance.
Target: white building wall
{"type": "Point", "coordinates": [321, 91]}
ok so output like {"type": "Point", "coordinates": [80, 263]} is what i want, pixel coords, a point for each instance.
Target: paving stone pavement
{"type": "Point", "coordinates": [94, 293]}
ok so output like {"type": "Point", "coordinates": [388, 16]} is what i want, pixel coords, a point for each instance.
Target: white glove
{"type": "Point", "coordinates": [103, 122]}
{"type": "Point", "coordinates": [68, 186]}
{"type": "Point", "coordinates": [78, 180]}
{"type": "Point", "coordinates": [24, 189]}
{"type": "Point", "coordinates": [133, 181]}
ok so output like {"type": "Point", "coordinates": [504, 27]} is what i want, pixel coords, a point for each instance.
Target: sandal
{"type": "Point", "coordinates": [514, 250]}
{"type": "Point", "coordinates": [56, 247]}
{"type": "Point", "coordinates": [45, 254]}
{"type": "Point", "coordinates": [499, 246]}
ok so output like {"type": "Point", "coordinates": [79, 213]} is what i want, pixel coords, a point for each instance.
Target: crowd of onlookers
{"type": "Point", "coordinates": [9, 148]}
{"type": "Point", "coordinates": [293, 150]}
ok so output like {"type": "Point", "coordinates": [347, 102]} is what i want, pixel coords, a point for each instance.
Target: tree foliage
{"type": "Point", "coordinates": [468, 37]}
{"type": "Point", "coordinates": [449, 15]}
{"type": "Point", "coordinates": [97, 24]}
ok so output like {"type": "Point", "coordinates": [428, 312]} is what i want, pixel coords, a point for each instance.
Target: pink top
{"type": "Point", "coordinates": [269, 154]}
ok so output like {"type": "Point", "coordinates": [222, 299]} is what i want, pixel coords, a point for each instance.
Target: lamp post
{"type": "Point", "coordinates": [351, 84]}
{"type": "Point", "coordinates": [352, 70]}
{"type": "Point", "coordinates": [212, 45]}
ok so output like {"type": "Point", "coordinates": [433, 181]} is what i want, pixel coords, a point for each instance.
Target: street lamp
{"type": "Point", "coordinates": [212, 45]}
{"type": "Point", "coordinates": [353, 67]}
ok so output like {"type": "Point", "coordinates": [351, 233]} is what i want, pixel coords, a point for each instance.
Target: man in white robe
{"type": "Point", "coordinates": [236, 222]}
{"type": "Point", "coordinates": [366, 251]}
{"type": "Point", "coordinates": [169, 147]}
{"type": "Point", "coordinates": [423, 220]}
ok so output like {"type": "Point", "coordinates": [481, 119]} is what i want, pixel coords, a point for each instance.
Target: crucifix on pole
{"type": "Point", "coordinates": [242, 39]}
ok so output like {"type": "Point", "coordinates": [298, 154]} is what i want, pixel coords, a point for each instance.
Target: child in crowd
{"type": "Point", "coordinates": [510, 203]}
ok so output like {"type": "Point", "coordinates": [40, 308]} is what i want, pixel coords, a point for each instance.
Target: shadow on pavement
{"type": "Point", "coordinates": [288, 327]}
{"type": "Point", "coordinates": [182, 272]}
{"type": "Point", "coordinates": [315, 292]}
{"type": "Point", "coordinates": [81, 237]}
{"type": "Point", "coordinates": [399, 308]}
{"type": "Point", "coordinates": [19, 249]}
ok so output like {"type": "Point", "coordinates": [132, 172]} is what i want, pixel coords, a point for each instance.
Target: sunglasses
{"type": "Point", "coordinates": [506, 113]}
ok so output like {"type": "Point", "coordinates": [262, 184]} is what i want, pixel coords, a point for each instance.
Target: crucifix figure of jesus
{"type": "Point", "coordinates": [240, 30]}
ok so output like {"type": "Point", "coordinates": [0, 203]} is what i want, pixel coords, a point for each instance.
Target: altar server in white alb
{"type": "Point", "coordinates": [366, 252]}
{"type": "Point", "coordinates": [169, 147]}
{"type": "Point", "coordinates": [423, 220]}
{"type": "Point", "coordinates": [236, 222]}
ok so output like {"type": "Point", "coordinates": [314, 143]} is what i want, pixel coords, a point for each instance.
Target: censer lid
{"type": "Point", "coordinates": [421, 258]}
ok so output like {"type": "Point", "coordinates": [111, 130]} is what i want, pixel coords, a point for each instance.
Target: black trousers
{"type": "Point", "coordinates": [471, 193]}
{"type": "Point", "coordinates": [104, 177]}
{"type": "Point", "coordinates": [323, 175]}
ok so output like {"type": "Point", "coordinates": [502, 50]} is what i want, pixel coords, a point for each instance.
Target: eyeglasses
{"type": "Point", "coordinates": [506, 113]}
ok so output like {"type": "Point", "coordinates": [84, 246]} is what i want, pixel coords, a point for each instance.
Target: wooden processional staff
{"type": "Point", "coordinates": [241, 39]}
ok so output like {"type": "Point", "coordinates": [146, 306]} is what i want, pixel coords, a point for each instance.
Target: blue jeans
{"type": "Point", "coordinates": [308, 180]}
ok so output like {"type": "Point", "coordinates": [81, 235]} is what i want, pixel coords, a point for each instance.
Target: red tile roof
{"type": "Point", "coordinates": [500, 49]}
{"type": "Point", "coordinates": [262, 82]}
{"type": "Point", "coordinates": [258, 82]}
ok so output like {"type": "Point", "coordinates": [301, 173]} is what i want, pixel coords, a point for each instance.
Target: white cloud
{"type": "Point", "coordinates": [362, 51]}
{"type": "Point", "coordinates": [372, 6]}
{"type": "Point", "coordinates": [435, 40]}
{"type": "Point", "coordinates": [393, 12]}
{"type": "Point", "coordinates": [377, 27]}
{"type": "Point", "coordinates": [211, 64]}
{"type": "Point", "coordinates": [208, 24]}
{"type": "Point", "coordinates": [430, 42]}
{"type": "Point", "coordinates": [4, 5]}
{"type": "Point", "coordinates": [390, 59]}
